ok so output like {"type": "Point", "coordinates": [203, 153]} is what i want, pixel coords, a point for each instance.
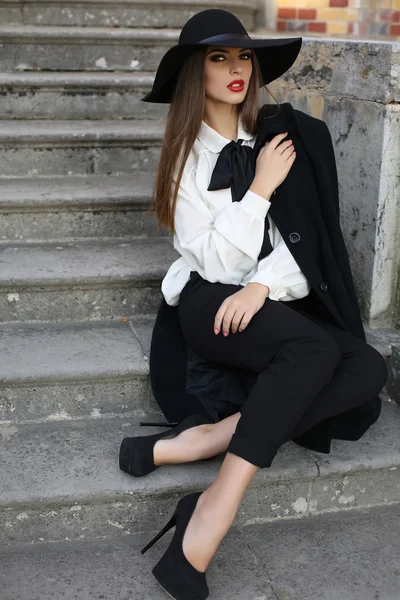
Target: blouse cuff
{"type": "Point", "coordinates": [255, 205]}
{"type": "Point", "coordinates": [276, 291]}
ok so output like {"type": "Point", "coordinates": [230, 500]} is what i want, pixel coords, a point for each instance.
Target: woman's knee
{"type": "Point", "coordinates": [374, 366]}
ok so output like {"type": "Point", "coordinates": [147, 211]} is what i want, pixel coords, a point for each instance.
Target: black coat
{"type": "Point", "coordinates": [313, 235]}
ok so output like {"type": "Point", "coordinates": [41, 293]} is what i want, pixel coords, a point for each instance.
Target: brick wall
{"type": "Point", "coordinates": [378, 18]}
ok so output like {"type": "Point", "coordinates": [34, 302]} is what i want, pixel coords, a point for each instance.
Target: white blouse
{"type": "Point", "coordinates": [221, 239]}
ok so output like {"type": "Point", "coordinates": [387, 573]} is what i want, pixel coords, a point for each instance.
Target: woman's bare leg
{"type": "Point", "coordinates": [203, 441]}
{"type": "Point", "coordinates": [215, 510]}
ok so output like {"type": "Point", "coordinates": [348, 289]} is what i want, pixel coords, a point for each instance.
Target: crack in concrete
{"type": "Point", "coordinates": [260, 565]}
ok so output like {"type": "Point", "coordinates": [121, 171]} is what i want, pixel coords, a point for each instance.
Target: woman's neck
{"type": "Point", "coordinates": [224, 120]}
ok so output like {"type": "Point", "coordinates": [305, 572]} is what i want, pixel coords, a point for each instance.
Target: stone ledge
{"type": "Point", "coordinates": [76, 132]}
{"type": "Point", "coordinates": [142, 260]}
{"type": "Point", "coordinates": [76, 79]}
{"type": "Point", "coordinates": [65, 192]}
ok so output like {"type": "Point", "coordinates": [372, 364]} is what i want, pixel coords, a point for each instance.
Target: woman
{"type": "Point", "coordinates": [243, 301]}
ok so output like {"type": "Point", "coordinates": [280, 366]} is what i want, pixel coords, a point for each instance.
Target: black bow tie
{"type": "Point", "coordinates": [235, 169]}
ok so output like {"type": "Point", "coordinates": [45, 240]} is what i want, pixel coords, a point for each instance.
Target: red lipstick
{"type": "Point", "coordinates": [239, 87]}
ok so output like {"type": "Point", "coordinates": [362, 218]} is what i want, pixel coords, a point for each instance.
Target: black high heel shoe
{"type": "Point", "coordinates": [176, 575]}
{"type": "Point", "coordinates": [136, 453]}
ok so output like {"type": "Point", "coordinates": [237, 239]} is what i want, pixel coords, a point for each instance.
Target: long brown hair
{"type": "Point", "coordinates": [183, 122]}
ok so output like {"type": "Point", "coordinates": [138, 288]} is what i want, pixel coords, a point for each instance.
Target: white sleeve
{"type": "Point", "coordinates": [222, 248]}
{"type": "Point", "coordinates": [281, 273]}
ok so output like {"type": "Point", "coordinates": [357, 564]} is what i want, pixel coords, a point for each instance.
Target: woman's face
{"type": "Point", "coordinates": [223, 65]}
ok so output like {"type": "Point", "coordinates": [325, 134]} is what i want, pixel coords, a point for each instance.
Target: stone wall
{"type": "Point", "coordinates": [354, 87]}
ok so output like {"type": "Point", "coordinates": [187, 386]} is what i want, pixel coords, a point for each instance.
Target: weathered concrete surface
{"type": "Point", "coordinates": [346, 556]}
{"type": "Point", "coordinates": [115, 570]}
{"type": "Point", "coordinates": [354, 87]}
{"type": "Point", "coordinates": [63, 209]}
{"type": "Point", "coordinates": [77, 95]}
{"type": "Point", "coordinates": [61, 480]}
{"type": "Point", "coordinates": [31, 148]}
{"type": "Point", "coordinates": [62, 371]}
{"type": "Point", "coordinates": [83, 280]}
{"type": "Point", "coordinates": [330, 557]}
{"type": "Point", "coordinates": [112, 13]}
{"type": "Point", "coordinates": [35, 47]}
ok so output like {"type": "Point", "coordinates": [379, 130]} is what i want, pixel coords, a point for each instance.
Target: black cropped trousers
{"type": "Point", "coordinates": [308, 368]}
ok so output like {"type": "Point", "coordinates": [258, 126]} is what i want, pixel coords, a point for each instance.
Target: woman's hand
{"type": "Point", "coordinates": [239, 308]}
{"type": "Point", "coordinates": [273, 164]}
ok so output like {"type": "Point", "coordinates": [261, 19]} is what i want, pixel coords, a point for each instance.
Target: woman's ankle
{"type": "Point", "coordinates": [187, 446]}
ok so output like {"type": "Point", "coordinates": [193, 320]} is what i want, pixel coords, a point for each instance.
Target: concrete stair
{"type": "Point", "coordinates": [60, 480]}
{"type": "Point", "coordinates": [81, 262]}
{"type": "Point", "coordinates": [348, 555]}
{"type": "Point", "coordinates": [82, 280]}
{"type": "Point", "coordinates": [77, 95]}
{"type": "Point", "coordinates": [81, 147]}
{"type": "Point", "coordinates": [74, 208]}
{"type": "Point", "coordinates": [76, 371]}
{"type": "Point", "coordinates": [115, 13]}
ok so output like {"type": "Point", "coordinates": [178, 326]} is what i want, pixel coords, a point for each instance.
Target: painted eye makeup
{"type": "Point", "coordinates": [215, 56]}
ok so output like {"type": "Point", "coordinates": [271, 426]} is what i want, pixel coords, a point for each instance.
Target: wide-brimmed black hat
{"type": "Point", "coordinates": [218, 27]}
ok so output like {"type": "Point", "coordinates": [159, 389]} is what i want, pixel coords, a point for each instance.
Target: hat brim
{"type": "Point", "coordinates": [275, 56]}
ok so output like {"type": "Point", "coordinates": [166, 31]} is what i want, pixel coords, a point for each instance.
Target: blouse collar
{"type": "Point", "coordinates": [214, 141]}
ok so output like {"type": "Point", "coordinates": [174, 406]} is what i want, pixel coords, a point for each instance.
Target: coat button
{"type": "Point", "coordinates": [324, 286]}
{"type": "Point", "coordinates": [294, 237]}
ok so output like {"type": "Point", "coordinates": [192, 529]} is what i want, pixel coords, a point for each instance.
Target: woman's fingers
{"type": "Point", "coordinates": [245, 320]}
{"type": "Point", "coordinates": [219, 316]}
{"type": "Point", "coordinates": [226, 323]}
{"type": "Point", "coordinates": [237, 319]}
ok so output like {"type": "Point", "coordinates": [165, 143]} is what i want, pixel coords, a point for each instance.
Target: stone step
{"type": "Point", "coordinates": [77, 95]}
{"type": "Point", "coordinates": [84, 280]}
{"type": "Point", "coordinates": [116, 13]}
{"type": "Point", "coordinates": [53, 48]}
{"type": "Point", "coordinates": [38, 147]}
{"type": "Point", "coordinates": [356, 559]}
{"type": "Point", "coordinates": [73, 208]}
{"type": "Point", "coordinates": [83, 370]}
{"type": "Point", "coordinates": [61, 480]}
{"type": "Point", "coordinates": [66, 371]}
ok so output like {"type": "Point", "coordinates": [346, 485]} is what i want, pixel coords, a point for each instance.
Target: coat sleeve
{"type": "Point", "coordinates": [222, 248]}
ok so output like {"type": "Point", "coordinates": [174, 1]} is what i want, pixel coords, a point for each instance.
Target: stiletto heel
{"type": "Point", "coordinates": [175, 574]}
{"type": "Point", "coordinates": [167, 527]}
{"type": "Point", "coordinates": [136, 455]}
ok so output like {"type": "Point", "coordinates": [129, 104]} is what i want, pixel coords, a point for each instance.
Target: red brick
{"type": "Point", "coordinates": [394, 30]}
{"type": "Point", "coordinates": [281, 26]}
{"type": "Point", "coordinates": [318, 27]}
{"type": "Point", "coordinates": [389, 15]}
{"type": "Point", "coordinates": [307, 13]}
{"type": "Point", "coordinates": [338, 3]}
{"type": "Point", "coordinates": [286, 13]}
